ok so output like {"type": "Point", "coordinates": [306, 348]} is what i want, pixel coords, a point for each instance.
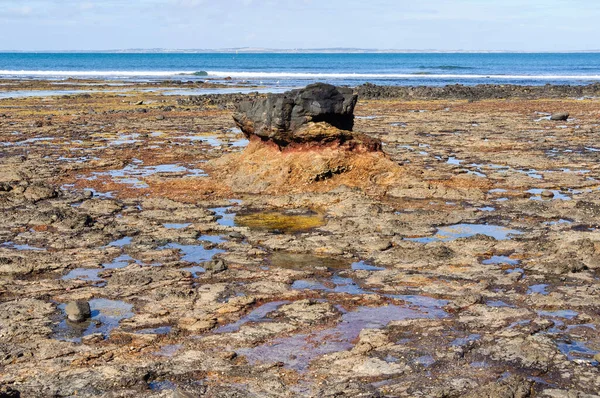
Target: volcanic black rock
{"type": "Point", "coordinates": [280, 117]}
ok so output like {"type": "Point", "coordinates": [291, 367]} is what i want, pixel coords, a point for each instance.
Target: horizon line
{"type": "Point", "coordinates": [328, 50]}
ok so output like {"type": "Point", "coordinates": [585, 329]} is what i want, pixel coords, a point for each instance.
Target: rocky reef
{"type": "Point", "coordinates": [462, 260]}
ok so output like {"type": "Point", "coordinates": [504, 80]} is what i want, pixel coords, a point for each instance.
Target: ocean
{"type": "Point", "coordinates": [293, 70]}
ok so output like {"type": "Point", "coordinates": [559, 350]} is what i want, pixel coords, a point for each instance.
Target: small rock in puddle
{"type": "Point", "coordinates": [280, 221]}
{"type": "Point", "coordinates": [547, 194]}
{"type": "Point", "coordinates": [453, 232]}
{"type": "Point", "coordinates": [78, 311]}
{"type": "Point", "coordinates": [298, 351]}
{"type": "Point", "coordinates": [105, 316]}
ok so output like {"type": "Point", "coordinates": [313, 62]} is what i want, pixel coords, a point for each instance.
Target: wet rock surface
{"type": "Point", "coordinates": [455, 274]}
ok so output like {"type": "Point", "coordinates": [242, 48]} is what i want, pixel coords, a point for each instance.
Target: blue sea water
{"type": "Point", "coordinates": [290, 70]}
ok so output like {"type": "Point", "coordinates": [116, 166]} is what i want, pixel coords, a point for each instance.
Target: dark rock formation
{"type": "Point", "coordinates": [281, 118]}
{"type": "Point", "coordinates": [475, 93]}
{"type": "Point", "coordinates": [560, 116]}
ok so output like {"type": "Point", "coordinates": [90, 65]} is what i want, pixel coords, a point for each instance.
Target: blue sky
{"type": "Point", "coordinates": [546, 25]}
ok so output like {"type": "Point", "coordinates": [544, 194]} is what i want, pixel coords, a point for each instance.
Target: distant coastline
{"type": "Point", "coordinates": [256, 50]}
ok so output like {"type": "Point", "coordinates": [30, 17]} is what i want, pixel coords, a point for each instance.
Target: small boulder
{"type": "Point", "coordinates": [560, 116]}
{"type": "Point", "coordinates": [78, 311]}
{"type": "Point", "coordinates": [279, 117]}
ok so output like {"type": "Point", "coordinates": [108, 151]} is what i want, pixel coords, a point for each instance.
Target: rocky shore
{"type": "Point", "coordinates": [151, 248]}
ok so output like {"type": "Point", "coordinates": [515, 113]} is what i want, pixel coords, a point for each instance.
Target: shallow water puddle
{"type": "Point", "coordinates": [225, 216]}
{"type": "Point", "coordinates": [498, 304]}
{"type": "Point", "coordinates": [558, 222]}
{"type": "Point", "coordinates": [25, 247]}
{"type": "Point", "coordinates": [257, 315]}
{"type": "Point", "coordinates": [566, 314]}
{"type": "Point", "coordinates": [500, 260]}
{"type": "Point", "coordinates": [538, 289]}
{"type": "Point", "coordinates": [297, 352]}
{"type": "Point", "coordinates": [87, 274]}
{"type": "Point", "coordinates": [336, 284]}
{"type": "Point", "coordinates": [106, 315]}
{"type": "Point", "coordinates": [164, 385]}
{"type": "Point", "coordinates": [363, 266]}
{"type": "Point", "coordinates": [577, 350]}
{"type": "Point", "coordinates": [121, 242]}
{"type": "Point", "coordinates": [124, 139]}
{"type": "Point", "coordinates": [216, 239]}
{"type": "Point", "coordinates": [280, 221]}
{"type": "Point", "coordinates": [158, 330]}
{"type": "Point", "coordinates": [302, 261]}
{"type": "Point", "coordinates": [132, 173]}
{"type": "Point", "coordinates": [195, 270]}
{"type": "Point", "coordinates": [465, 340]}
{"type": "Point", "coordinates": [453, 232]}
{"type": "Point", "coordinates": [241, 143]}
{"type": "Point", "coordinates": [213, 141]}
{"type": "Point", "coordinates": [194, 253]}
{"type": "Point", "coordinates": [91, 274]}
{"type": "Point", "coordinates": [176, 226]}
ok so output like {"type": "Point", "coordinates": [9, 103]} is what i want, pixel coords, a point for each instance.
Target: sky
{"type": "Point", "coordinates": [520, 25]}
